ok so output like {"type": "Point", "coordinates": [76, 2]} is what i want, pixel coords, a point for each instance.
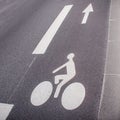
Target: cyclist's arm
{"type": "Point", "coordinates": [62, 66]}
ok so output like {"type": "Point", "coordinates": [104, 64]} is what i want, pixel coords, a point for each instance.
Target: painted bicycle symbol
{"type": "Point", "coordinates": [72, 96]}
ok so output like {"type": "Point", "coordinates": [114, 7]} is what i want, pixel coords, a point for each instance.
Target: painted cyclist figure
{"type": "Point", "coordinates": [72, 96]}
{"type": "Point", "coordinates": [71, 72]}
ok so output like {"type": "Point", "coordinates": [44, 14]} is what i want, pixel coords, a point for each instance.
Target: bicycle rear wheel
{"type": "Point", "coordinates": [41, 93]}
{"type": "Point", "coordinates": [73, 96]}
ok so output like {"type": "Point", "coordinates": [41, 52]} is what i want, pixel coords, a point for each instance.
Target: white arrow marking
{"type": "Point", "coordinates": [47, 38]}
{"type": "Point", "coordinates": [5, 110]}
{"type": "Point", "coordinates": [87, 12]}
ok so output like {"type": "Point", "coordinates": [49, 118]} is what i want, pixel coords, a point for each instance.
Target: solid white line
{"type": "Point", "coordinates": [47, 38]}
{"type": "Point", "coordinates": [105, 68]}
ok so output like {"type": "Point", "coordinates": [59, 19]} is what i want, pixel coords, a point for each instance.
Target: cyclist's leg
{"type": "Point", "coordinates": [59, 77]}
{"type": "Point", "coordinates": [63, 82]}
{"type": "Point", "coordinates": [58, 89]}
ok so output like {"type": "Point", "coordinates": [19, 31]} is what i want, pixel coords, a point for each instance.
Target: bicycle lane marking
{"type": "Point", "coordinates": [47, 38]}
{"type": "Point", "coordinates": [41, 71]}
{"type": "Point", "coordinates": [9, 107]}
{"type": "Point", "coordinates": [43, 91]}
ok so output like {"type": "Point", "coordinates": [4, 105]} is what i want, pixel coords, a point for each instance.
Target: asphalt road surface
{"type": "Point", "coordinates": [38, 36]}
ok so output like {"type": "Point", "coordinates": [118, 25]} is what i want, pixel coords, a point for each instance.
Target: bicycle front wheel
{"type": "Point", "coordinates": [41, 93]}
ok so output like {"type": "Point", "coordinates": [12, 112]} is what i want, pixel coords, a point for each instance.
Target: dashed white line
{"type": "Point", "coordinates": [47, 38]}
{"type": "Point", "coordinates": [5, 110]}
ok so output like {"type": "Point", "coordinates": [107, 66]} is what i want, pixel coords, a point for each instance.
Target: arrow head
{"type": "Point", "coordinates": [88, 9]}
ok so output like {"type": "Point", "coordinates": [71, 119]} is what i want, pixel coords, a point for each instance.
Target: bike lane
{"type": "Point", "coordinates": [17, 44]}
{"type": "Point", "coordinates": [88, 43]}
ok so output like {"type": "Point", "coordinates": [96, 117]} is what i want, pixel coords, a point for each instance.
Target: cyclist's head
{"type": "Point", "coordinates": [71, 56]}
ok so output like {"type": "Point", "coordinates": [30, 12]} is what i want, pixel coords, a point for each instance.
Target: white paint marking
{"type": "Point", "coordinates": [86, 13]}
{"type": "Point", "coordinates": [41, 93]}
{"type": "Point", "coordinates": [61, 80]}
{"type": "Point", "coordinates": [47, 38]}
{"type": "Point", "coordinates": [73, 96]}
{"type": "Point", "coordinates": [5, 109]}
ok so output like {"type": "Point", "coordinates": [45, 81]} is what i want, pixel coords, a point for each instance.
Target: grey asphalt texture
{"type": "Point", "coordinates": [22, 27]}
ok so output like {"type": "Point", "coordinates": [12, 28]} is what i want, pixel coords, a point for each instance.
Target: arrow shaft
{"type": "Point", "coordinates": [85, 18]}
